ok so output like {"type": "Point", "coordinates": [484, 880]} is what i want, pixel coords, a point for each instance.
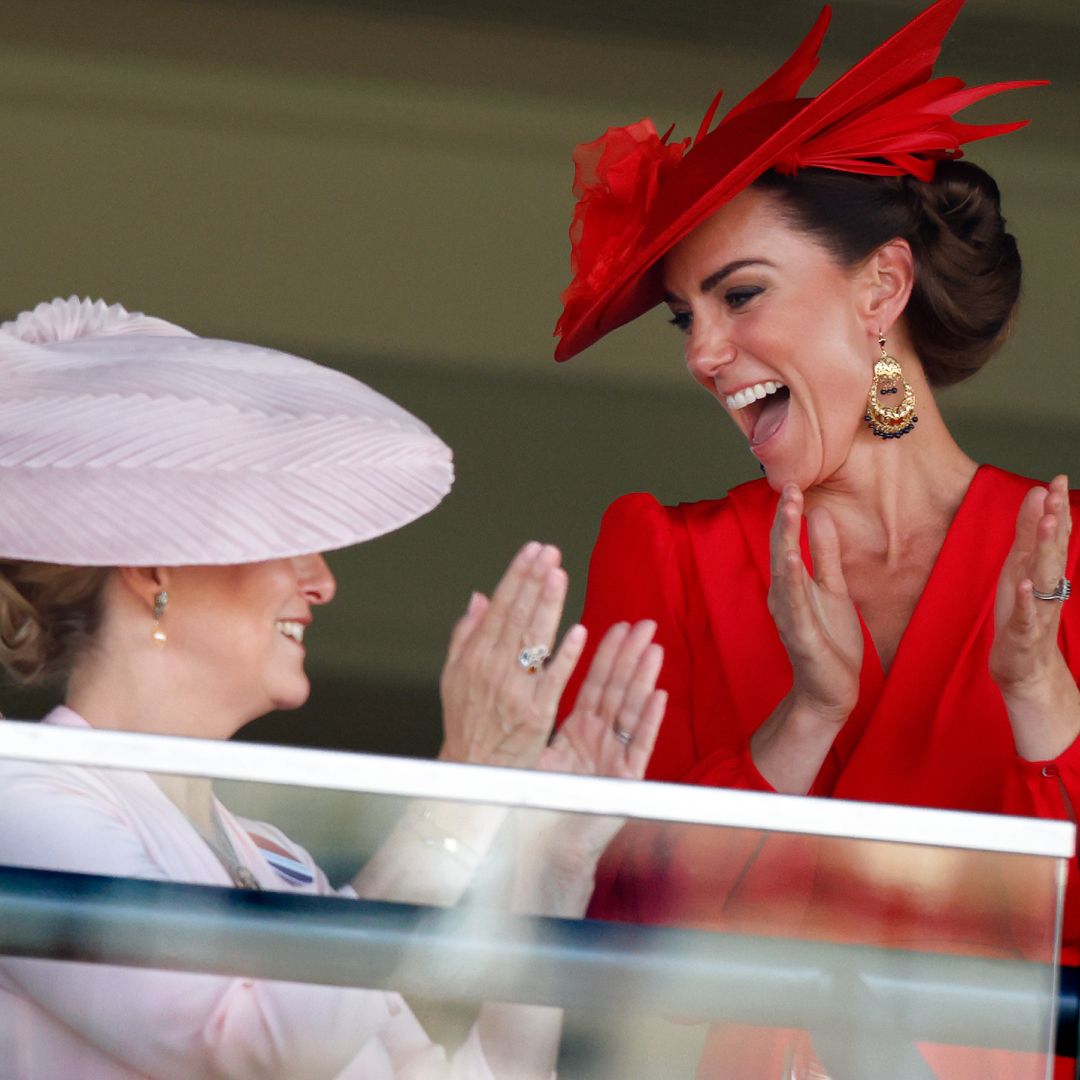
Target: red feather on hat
{"type": "Point", "coordinates": [887, 116]}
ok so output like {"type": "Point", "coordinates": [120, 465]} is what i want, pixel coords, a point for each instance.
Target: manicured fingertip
{"type": "Point", "coordinates": [575, 636]}
{"type": "Point", "coordinates": [653, 658]}
{"type": "Point", "coordinates": [528, 552]}
{"type": "Point", "coordinates": [477, 603]}
{"type": "Point", "coordinates": [555, 581]}
{"type": "Point", "coordinates": [545, 559]}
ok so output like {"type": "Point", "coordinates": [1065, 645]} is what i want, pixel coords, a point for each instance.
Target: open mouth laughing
{"type": "Point", "coordinates": [764, 406]}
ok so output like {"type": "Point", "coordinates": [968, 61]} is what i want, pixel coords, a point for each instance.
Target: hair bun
{"type": "Point", "coordinates": [969, 270]}
{"type": "Point", "coordinates": [48, 615]}
{"type": "Point", "coordinates": [70, 319]}
{"type": "Point", "coordinates": [965, 200]}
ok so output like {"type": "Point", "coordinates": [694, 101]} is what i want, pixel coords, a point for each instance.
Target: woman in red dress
{"type": "Point", "coordinates": [879, 617]}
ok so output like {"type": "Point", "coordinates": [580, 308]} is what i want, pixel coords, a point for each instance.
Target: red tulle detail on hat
{"type": "Point", "coordinates": [887, 116]}
{"type": "Point", "coordinates": [616, 178]}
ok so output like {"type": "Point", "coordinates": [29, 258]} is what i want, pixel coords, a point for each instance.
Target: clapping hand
{"type": "Point", "coordinates": [815, 616]}
{"type": "Point", "coordinates": [1025, 660]}
{"type": "Point", "coordinates": [1026, 627]}
{"type": "Point", "coordinates": [498, 709]}
{"type": "Point", "coordinates": [610, 732]}
{"type": "Point", "coordinates": [613, 726]}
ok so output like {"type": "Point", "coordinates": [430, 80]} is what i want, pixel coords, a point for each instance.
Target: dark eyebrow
{"type": "Point", "coordinates": [716, 278]}
{"type": "Point", "coordinates": [713, 280]}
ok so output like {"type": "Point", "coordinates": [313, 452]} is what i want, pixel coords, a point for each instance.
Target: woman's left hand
{"type": "Point", "coordinates": [495, 711]}
{"type": "Point", "coordinates": [1025, 660]}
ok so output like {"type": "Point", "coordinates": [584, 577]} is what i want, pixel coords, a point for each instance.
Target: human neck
{"type": "Point", "coordinates": [134, 687]}
{"type": "Point", "coordinates": [127, 683]}
{"type": "Point", "coordinates": [891, 491]}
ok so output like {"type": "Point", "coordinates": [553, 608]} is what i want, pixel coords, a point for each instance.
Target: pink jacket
{"type": "Point", "coordinates": [91, 1022]}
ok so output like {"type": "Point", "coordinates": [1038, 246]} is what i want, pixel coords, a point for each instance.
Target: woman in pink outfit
{"type": "Point", "coordinates": [161, 551]}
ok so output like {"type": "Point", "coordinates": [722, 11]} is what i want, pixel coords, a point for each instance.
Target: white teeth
{"type": "Point", "coordinates": [741, 398]}
{"type": "Point", "coordinates": [291, 629]}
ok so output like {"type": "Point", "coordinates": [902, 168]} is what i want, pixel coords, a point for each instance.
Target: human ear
{"type": "Point", "coordinates": [888, 278]}
{"type": "Point", "coordinates": [144, 582]}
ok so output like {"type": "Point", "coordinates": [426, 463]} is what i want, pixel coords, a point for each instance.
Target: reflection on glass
{"type": "Point", "coordinates": [723, 951]}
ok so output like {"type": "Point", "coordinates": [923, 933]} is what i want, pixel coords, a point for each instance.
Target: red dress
{"type": "Point", "coordinates": [933, 732]}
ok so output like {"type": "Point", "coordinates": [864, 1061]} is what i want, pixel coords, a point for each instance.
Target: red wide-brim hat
{"type": "Point", "coordinates": [639, 193]}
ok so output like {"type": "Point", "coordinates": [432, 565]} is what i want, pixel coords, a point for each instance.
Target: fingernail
{"type": "Point", "coordinates": [555, 579]}
{"type": "Point", "coordinates": [547, 558]}
{"type": "Point", "coordinates": [530, 550]}
{"type": "Point", "coordinates": [575, 635]}
{"type": "Point", "coordinates": [474, 603]}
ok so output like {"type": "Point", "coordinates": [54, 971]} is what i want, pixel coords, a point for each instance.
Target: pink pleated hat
{"type": "Point", "coordinates": [128, 441]}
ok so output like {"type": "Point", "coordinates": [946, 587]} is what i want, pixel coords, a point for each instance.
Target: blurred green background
{"type": "Point", "coordinates": [384, 187]}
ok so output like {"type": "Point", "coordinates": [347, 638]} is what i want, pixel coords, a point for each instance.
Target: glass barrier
{"type": "Point", "coordinates": [145, 930]}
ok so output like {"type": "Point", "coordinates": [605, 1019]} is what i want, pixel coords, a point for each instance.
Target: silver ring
{"type": "Point", "coordinates": [1062, 591]}
{"type": "Point", "coordinates": [533, 657]}
{"type": "Point", "coordinates": [622, 734]}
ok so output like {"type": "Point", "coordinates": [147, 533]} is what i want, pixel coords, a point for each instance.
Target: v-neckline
{"type": "Point", "coordinates": [941, 571]}
{"type": "Point", "coordinates": [955, 563]}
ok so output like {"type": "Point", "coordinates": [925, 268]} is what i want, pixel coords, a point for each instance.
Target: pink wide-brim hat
{"type": "Point", "coordinates": [128, 441]}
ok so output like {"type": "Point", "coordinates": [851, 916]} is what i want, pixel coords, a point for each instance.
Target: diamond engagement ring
{"type": "Point", "coordinates": [622, 734]}
{"type": "Point", "coordinates": [1062, 591]}
{"type": "Point", "coordinates": [533, 657]}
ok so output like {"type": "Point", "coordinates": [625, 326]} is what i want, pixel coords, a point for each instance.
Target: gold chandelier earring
{"type": "Point", "coordinates": [887, 419]}
{"type": "Point", "coordinates": [157, 635]}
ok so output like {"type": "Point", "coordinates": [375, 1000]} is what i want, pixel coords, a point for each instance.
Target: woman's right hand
{"type": "Point", "coordinates": [815, 616]}
{"type": "Point", "coordinates": [611, 731]}
{"type": "Point", "coordinates": [820, 630]}
{"type": "Point", "coordinates": [495, 712]}
{"type": "Point", "coordinates": [613, 725]}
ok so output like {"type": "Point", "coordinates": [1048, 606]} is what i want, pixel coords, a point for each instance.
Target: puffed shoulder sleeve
{"type": "Point", "coordinates": [644, 567]}
{"type": "Point", "coordinates": [638, 571]}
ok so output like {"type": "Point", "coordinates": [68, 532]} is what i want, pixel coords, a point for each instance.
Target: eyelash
{"type": "Point", "coordinates": [737, 298]}
{"type": "Point", "coordinates": [734, 298]}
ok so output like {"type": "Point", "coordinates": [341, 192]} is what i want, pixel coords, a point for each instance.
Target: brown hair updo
{"type": "Point", "coordinates": [967, 267]}
{"type": "Point", "coordinates": [48, 615]}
